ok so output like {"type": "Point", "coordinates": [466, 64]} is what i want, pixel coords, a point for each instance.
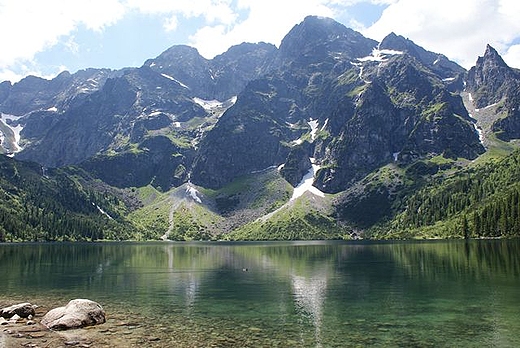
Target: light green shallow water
{"type": "Point", "coordinates": [317, 294]}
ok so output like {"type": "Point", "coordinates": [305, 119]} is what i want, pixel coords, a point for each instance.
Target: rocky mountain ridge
{"type": "Point", "coordinates": [328, 99]}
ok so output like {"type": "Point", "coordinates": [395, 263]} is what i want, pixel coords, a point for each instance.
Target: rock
{"type": "Point", "coordinates": [76, 314]}
{"type": "Point", "coordinates": [3, 321]}
{"type": "Point", "coordinates": [24, 310]}
{"type": "Point", "coordinates": [297, 165]}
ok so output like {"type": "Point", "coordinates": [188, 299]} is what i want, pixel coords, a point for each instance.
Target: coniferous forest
{"type": "Point", "coordinates": [477, 202]}
{"type": "Point", "coordinates": [57, 205]}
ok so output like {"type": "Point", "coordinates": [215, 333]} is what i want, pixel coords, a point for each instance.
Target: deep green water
{"type": "Point", "coordinates": [321, 294]}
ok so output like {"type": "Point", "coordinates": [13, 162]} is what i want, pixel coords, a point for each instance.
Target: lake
{"type": "Point", "coordinates": [281, 294]}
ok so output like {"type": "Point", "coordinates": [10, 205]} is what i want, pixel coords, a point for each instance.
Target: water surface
{"type": "Point", "coordinates": [310, 294]}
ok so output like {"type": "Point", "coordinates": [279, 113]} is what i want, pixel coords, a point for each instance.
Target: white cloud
{"type": "Point", "coordinates": [267, 20]}
{"type": "Point", "coordinates": [31, 26]}
{"type": "Point", "coordinates": [459, 29]}
{"type": "Point", "coordinates": [512, 56]}
{"type": "Point", "coordinates": [213, 11]}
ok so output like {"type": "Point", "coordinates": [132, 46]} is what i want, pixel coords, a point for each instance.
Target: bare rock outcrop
{"type": "Point", "coordinates": [76, 314]}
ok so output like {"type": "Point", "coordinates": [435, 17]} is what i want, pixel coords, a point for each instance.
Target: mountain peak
{"type": "Point", "coordinates": [491, 54]}
{"type": "Point", "coordinates": [315, 35]}
{"type": "Point", "coordinates": [438, 63]}
{"type": "Point", "coordinates": [491, 78]}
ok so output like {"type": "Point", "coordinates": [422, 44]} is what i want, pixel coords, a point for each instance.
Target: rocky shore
{"type": "Point", "coordinates": [120, 329]}
{"type": "Point", "coordinates": [21, 325]}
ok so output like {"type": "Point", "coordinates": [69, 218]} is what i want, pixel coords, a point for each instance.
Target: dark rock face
{"type": "Point", "coordinates": [404, 113]}
{"type": "Point", "coordinates": [248, 137]}
{"type": "Point", "coordinates": [317, 39]}
{"type": "Point", "coordinates": [373, 111]}
{"type": "Point", "coordinates": [324, 85]}
{"type": "Point", "coordinates": [220, 78]}
{"type": "Point", "coordinates": [23, 310]}
{"type": "Point", "coordinates": [239, 65]}
{"type": "Point", "coordinates": [491, 79]}
{"type": "Point", "coordinates": [165, 165]}
{"type": "Point", "coordinates": [297, 165]}
{"type": "Point", "coordinates": [437, 63]}
{"type": "Point", "coordinates": [509, 127]}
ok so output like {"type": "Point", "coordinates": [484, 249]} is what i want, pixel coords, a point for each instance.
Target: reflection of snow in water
{"type": "Point", "coordinates": [187, 282]}
{"type": "Point", "coordinates": [309, 296]}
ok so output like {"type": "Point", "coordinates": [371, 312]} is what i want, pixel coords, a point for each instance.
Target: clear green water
{"type": "Point", "coordinates": [320, 294]}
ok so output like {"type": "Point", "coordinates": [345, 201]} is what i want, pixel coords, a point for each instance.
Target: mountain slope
{"type": "Point", "coordinates": [48, 205]}
{"type": "Point", "coordinates": [214, 148]}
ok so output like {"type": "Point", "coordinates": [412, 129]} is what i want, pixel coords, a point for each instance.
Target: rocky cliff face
{"type": "Point", "coordinates": [328, 93]}
{"type": "Point", "coordinates": [106, 118]}
{"type": "Point", "coordinates": [491, 81]}
{"type": "Point", "coordinates": [370, 106]}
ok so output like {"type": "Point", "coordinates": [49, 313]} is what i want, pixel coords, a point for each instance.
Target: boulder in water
{"type": "Point", "coordinates": [23, 310]}
{"type": "Point", "coordinates": [76, 314]}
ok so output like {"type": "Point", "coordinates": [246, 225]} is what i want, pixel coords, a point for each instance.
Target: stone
{"type": "Point", "coordinates": [76, 314]}
{"type": "Point", "coordinates": [24, 310]}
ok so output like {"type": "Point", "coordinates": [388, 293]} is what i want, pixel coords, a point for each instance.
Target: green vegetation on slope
{"type": "Point", "coordinates": [307, 218]}
{"type": "Point", "coordinates": [55, 205]}
{"type": "Point", "coordinates": [477, 202]}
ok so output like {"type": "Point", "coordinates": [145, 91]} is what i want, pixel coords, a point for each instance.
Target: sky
{"type": "Point", "coordinates": [46, 37]}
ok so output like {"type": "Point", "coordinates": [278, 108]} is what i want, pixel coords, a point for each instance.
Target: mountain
{"type": "Point", "coordinates": [492, 82]}
{"type": "Point", "coordinates": [331, 134]}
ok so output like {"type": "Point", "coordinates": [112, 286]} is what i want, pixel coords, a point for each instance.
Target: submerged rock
{"type": "Point", "coordinates": [76, 314]}
{"type": "Point", "coordinates": [23, 310]}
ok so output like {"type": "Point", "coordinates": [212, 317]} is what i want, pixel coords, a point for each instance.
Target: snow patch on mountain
{"type": "Point", "coordinates": [6, 119]}
{"type": "Point", "coordinates": [175, 80]}
{"type": "Point", "coordinates": [306, 183]}
{"type": "Point", "coordinates": [304, 186]}
{"type": "Point", "coordinates": [314, 128]}
{"type": "Point", "coordinates": [192, 192]}
{"type": "Point", "coordinates": [212, 105]}
{"type": "Point", "coordinates": [480, 132]}
{"type": "Point", "coordinates": [380, 55]}
{"type": "Point", "coordinates": [487, 107]}
{"type": "Point", "coordinates": [102, 211]}
{"type": "Point", "coordinates": [208, 104]}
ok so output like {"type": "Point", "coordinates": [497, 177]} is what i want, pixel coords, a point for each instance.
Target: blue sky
{"type": "Point", "coordinates": [45, 37]}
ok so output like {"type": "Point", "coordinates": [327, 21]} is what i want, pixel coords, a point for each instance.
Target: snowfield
{"type": "Point", "coordinates": [16, 130]}
{"type": "Point", "coordinates": [175, 80]}
{"type": "Point", "coordinates": [306, 183]}
{"type": "Point", "coordinates": [379, 55]}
